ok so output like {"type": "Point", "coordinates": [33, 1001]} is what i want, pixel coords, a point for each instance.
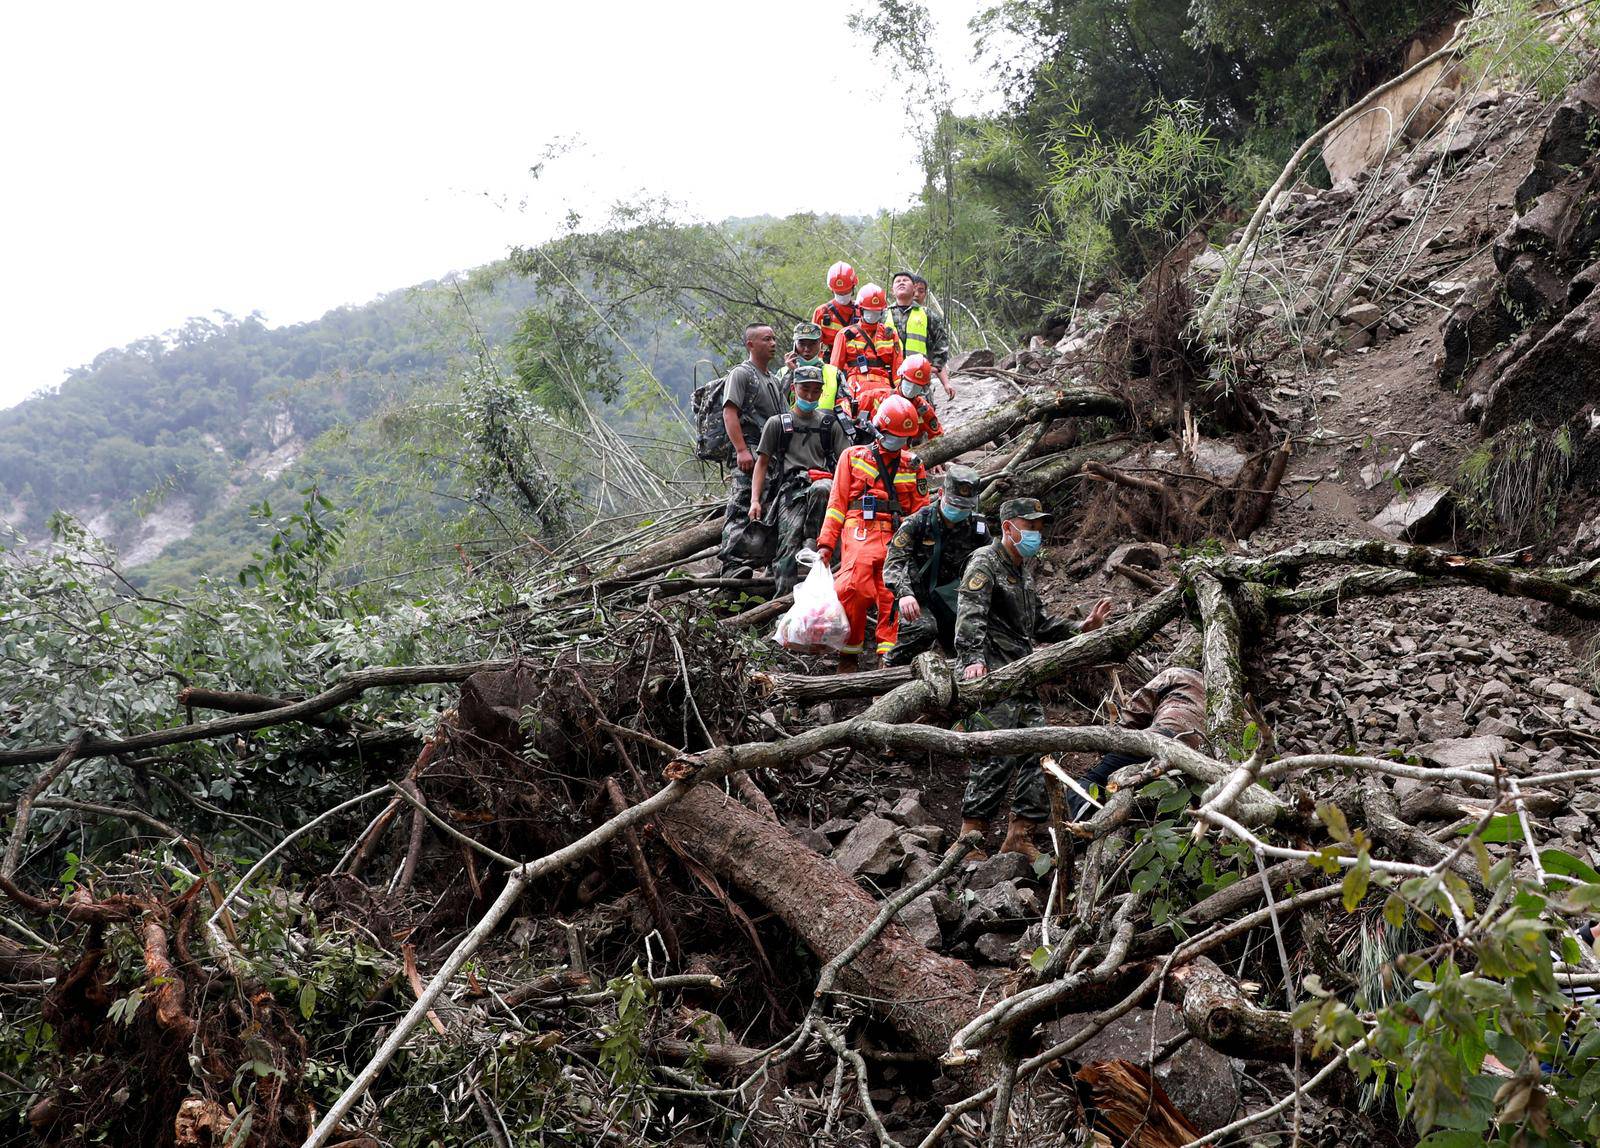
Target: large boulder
{"type": "Point", "coordinates": [1421, 516]}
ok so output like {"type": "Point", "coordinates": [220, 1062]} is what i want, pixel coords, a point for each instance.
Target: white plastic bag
{"type": "Point", "coordinates": [816, 621]}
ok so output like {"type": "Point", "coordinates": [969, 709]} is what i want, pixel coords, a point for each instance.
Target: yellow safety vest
{"type": "Point", "coordinates": [830, 387]}
{"type": "Point", "coordinates": [915, 336]}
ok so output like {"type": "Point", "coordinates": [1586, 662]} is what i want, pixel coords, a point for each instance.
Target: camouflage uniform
{"type": "Point", "coordinates": [998, 619]}
{"type": "Point", "coordinates": [927, 557]}
{"type": "Point", "coordinates": [802, 451]}
{"type": "Point", "coordinates": [755, 394]}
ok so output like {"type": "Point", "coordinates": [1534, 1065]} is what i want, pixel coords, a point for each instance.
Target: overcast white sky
{"type": "Point", "coordinates": [167, 159]}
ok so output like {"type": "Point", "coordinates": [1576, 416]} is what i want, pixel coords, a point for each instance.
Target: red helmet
{"type": "Point", "coordinates": [841, 278]}
{"type": "Point", "coordinates": [896, 416]}
{"type": "Point", "coordinates": [917, 369]}
{"type": "Point", "coordinates": [872, 298]}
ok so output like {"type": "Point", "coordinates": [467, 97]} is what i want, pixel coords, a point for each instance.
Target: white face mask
{"type": "Point", "coordinates": [872, 316]}
{"type": "Point", "coordinates": [841, 299]}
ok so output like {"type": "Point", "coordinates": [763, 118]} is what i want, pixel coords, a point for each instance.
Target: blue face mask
{"type": "Point", "coordinates": [807, 405]}
{"type": "Point", "coordinates": [892, 441]}
{"type": "Point", "coordinates": [954, 514]}
{"type": "Point", "coordinates": [1029, 543]}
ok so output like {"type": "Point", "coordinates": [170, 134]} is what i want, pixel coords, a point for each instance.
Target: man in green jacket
{"type": "Point", "coordinates": [926, 559]}
{"type": "Point", "coordinates": [793, 477]}
{"type": "Point", "coordinates": [998, 619]}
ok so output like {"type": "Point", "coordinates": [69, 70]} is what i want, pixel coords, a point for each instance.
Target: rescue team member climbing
{"type": "Point", "coordinates": [840, 311]}
{"type": "Point", "coordinates": [874, 487]}
{"type": "Point", "coordinates": [808, 353]}
{"type": "Point", "coordinates": [922, 332]}
{"type": "Point", "coordinates": [927, 557]}
{"type": "Point", "coordinates": [914, 376]}
{"type": "Point", "coordinates": [998, 619]}
{"type": "Point", "coordinates": [795, 461]}
{"type": "Point", "coordinates": [868, 352]}
{"type": "Point", "coordinates": [750, 398]}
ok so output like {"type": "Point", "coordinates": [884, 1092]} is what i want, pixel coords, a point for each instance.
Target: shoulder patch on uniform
{"type": "Point", "coordinates": [922, 484]}
{"type": "Point", "coordinates": [977, 580]}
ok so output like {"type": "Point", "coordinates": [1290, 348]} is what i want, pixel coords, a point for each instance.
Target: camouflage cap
{"type": "Point", "coordinates": [961, 487]}
{"type": "Point", "coordinates": [806, 374]}
{"type": "Point", "coordinates": [806, 331]}
{"type": "Point", "coordinates": [1028, 508]}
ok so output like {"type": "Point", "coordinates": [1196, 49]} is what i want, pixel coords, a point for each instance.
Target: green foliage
{"type": "Point", "coordinates": [1511, 44]}
{"type": "Point", "coordinates": [1510, 487]}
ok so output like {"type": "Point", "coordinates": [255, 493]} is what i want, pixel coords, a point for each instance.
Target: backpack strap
{"type": "Point", "coordinates": [886, 473]}
{"type": "Point", "coordinates": [872, 349]}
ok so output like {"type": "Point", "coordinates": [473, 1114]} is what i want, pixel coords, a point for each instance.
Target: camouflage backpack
{"type": "Point", "coordinates": [711, 442]}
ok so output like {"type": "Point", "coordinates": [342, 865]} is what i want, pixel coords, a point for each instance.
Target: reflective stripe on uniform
{"type": "Point", "coordinates": [830, 387]}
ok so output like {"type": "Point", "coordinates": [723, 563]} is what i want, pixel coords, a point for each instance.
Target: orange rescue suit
{"type": "Point", "coordinates": [834, 317]}
{"type": "Point", "coordinates": [861, 488]}
{"type": "Point", "coordinates": [869, 355]}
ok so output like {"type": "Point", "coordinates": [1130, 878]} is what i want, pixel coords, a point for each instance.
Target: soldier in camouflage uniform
{"type": "Point", "coordinates": [926, 559]}
{"type": "Point", "coordinates": [793, 477]}
{"type": "Point", "coordinates": [750, 398]}
{"type": "Point", "coordinates": [998, 619]}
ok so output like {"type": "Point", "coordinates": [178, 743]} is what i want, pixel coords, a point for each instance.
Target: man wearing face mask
{"type": "Point", "coordinates": [874, 487]}
{"type": "Point", "coordinates": [922, 330]}
{"type": "Point", "coordinates": [915, 376]}
{"type": "Point", "coordinates": [750, 398]}
{"type": "Point", "coordinates": [998, 619]}
{"type": "Point", "coordinates": [839, 311]}
{"type": "Point", "coordinates": [927, 557]}
{"type": "Point", "coordinates": [798, 452]}
{"type": "Point", "coordinates": [808, 353]}
{"type": "Point", "coordinates": [868, 352]}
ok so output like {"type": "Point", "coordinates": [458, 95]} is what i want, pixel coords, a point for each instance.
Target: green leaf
{"type": "Point", "coordinates": [1042, 864]}
{"type": "Point", "coordinates": [308, 999]}
{"type": "Point", "coordinates": [1355, 883]}
{"type": "Point", "coordinates": [1501, 829]}
{"type": "Point", "coordinates": [1333, 817]}
{"type": "Point", "coordinates": [1040, 958]}
{"type": "Point", "coordinates": [1394, 910]}
{"type": "Point", "coordinates": [1566, 865]}
{"type": "Point", "coordinates": [1250, 738]}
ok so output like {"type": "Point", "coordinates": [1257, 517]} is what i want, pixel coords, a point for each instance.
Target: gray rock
{"type": "Point", "coordinates": [836, 829]}
{"type": "Point", "coordinates": [1362, 315]}
{"type": "Point", "coordinates": [1498, 727]}
{"type": "Point", "coordinates": [980, 357]}
{"type": "Point", "coordinates": [921, 920]}
{"type": "Point", "coordinates": [908, 810]}
{"type": "Point", "coordinates": [1145, 555]}
{"type": "Point", "coordinates": [933, 835]}
{"type": "Point", "coordinates": [1199, 1079]}
{"type": "Point", "coordinates": [1442, 723]}
{"type": "Point", "coordinates": [872, 849]}
{"type": "Point", "coordinates": [1568, 694]}
{"type": "Point", "coordinates": [920, 862]}
{"type": "Point", "coordinates": [1001, 867]}
{"type": "Point", "coordinates": [1421, 516]}
{"type": "Point", "coordinates": [997, 949]}
{"type": "Point", "coordinates": [1463, 752]}
{"type": "Point", "coordinates": [1003, 906]}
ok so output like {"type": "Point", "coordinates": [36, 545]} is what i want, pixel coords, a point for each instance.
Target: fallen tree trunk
{"type": "Point", "coordinates": [1216, 1010]}
{"type": "Point", "coordinates": [1031, 407]}
{"type": "Point", "coordinates": [828, 910]}
{"type": "Point", "coordinates": [674, 548]}
{"type": "Point", "coordinates": [1046, 474]}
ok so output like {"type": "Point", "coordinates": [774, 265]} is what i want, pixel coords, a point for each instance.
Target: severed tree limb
{"type": "Point", "coordinates": [1216, 1010]}
{"type": "Point", "coordinates": [641, 870]}
{"type": "Point", "coordinates": [1223, 663]}
{"type": "Point", "coordinates": [1043, 475]}
{"type": "Point", "coordinates": [355, 684]}
{"type": "Point", "coordinates": [1033, 406]}
{"type": "Point", "coordinates": [64, 756]}
{"type": "Point", "coordinates": [1558, 586]}
{"type": "Point", "coordinates": [1361, 584]}
{"type": "Point", "coordinates": [237, 702]}
{"type": "Point", "coordinates": [1110, 643]}
{"type": "Point", "coordinates": [758, 614]}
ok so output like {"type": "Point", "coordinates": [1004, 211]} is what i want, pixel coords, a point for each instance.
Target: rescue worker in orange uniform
{"type": "Point", "coordinates": [875, 485]}
{"type": "Point", "coordinates": [840, 311]}
{"type": "Point", "coordinates": [915, 377]}
{"type": "Point", "coordinates": [868, 352]}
